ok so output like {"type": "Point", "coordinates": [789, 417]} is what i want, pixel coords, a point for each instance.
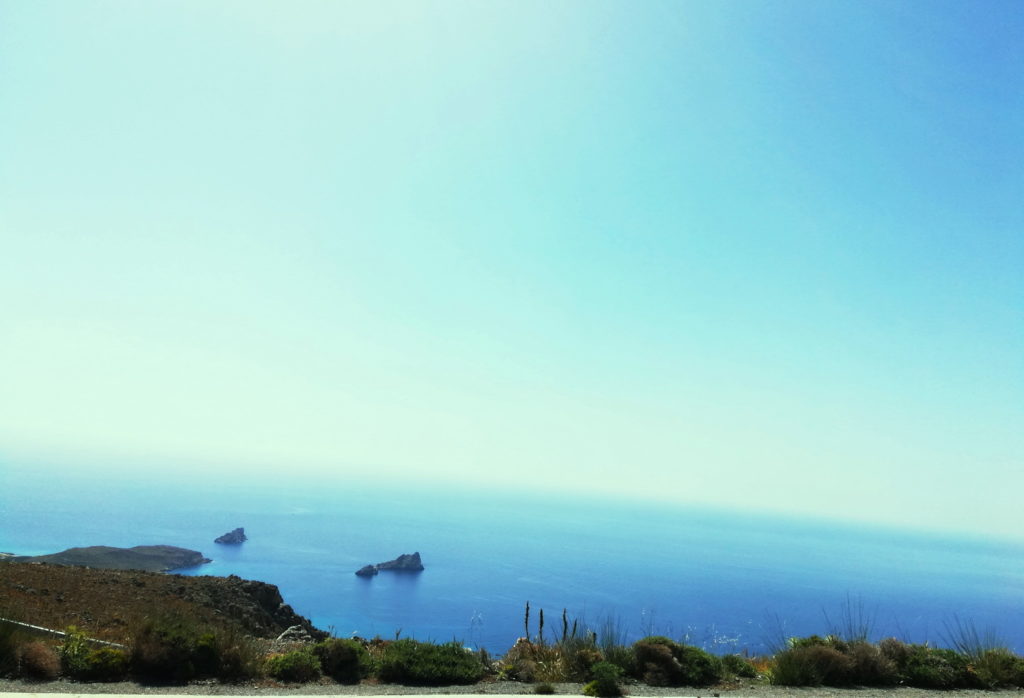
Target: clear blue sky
{"type": "Point", "coordinates": [763, 255]}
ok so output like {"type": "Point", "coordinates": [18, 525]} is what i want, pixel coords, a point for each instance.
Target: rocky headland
{"type": "Point", "coordinates": [402, 563]}
{"type": "Point", "coordinates": [105, 602]}
{"type": "Point", "coordinates": [235, 537]}
{"type": "Point", "coordinates": [149, 558]}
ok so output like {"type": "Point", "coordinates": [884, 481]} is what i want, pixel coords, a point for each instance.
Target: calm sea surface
{"type": "Point", "coordinates": [722, 580]}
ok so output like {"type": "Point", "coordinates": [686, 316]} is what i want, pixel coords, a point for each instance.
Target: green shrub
{"type": "Point", "coordinates": [239, 658]}
{"type": "Point", "coordinates": [544, 689]}
{"type": "Point", "coordinates": [10, 639]}
{"type": "Point", "coordinates": [699, 667]}
{"type": "Point", "coordinates": [927, 667]}
{"type": "Point", "coordinates": [576, 657]}
{"type": "Point", "coordinates": [869, 666]}
{"type": "Point", "coordinates": [834, 661]}
{"type": "Point", "coordinates": [811, 665]}
{"type": "Point", "coordinates": [74, 652]}
{"type": "Point", "coordinates": [297, 666]}
{"type": "Point", "coordinates": [104, 664]}
{"type": "Point", "coordinates": [896, 651]}
{"type": "Point", "coordinates": [37, 660]}
{"type": "Point", "coordinates": [569, 659]}
{"type": "Point", "coordinates": [605, 680]}
{"type": "Point", "coordinates": [172, 649]}
{"type": "Point", "coordinates": [655, 664]}
{"type": "Point", "coordinates": [415, 663]}
{"type": "Point", "coordinates": [738, 666]}
{"type": "Point", "coordinates": [809, 641]}
{"type": "Point", "coordinates": [999, 668]}
{"type": "Point", "coordinates": [529, 662]}
{"type": "Point", "coordinates": [622, 657]}
{"type": "Point", "coordinates": [662, 662]}
{"type": "Point", "coordinates": [345, 661]}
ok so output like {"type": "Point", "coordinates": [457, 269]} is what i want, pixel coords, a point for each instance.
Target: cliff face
{"type": "Point", "coordinates": [150, 558]}
{"type": "Point", "coordinates": [256, 606]}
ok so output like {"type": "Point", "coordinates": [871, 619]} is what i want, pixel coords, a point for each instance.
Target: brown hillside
{"type": "Point", "coordinates": [106, 602]}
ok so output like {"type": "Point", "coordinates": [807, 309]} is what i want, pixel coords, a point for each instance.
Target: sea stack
{"type": "Point", "coordinates": [232, 537]}
{"type": "Point", "coordinates": [402, 563]}
{"type": "Point", "coordinates": [367, 571]}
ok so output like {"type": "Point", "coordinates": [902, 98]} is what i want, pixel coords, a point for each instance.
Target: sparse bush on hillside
{"type": "Point", "coordinates": [73, 652]}
{"type": "Point", "coordinates": [999, 668]}
{"type": "Point", "coordinates": [529, 662]}
{"type": "Point", "coordinates": [811, 665]}
{"type": "Point", "coordinates": [37, 660]}
{"type": "Point", "coordinates": [655, 664]}
{"type": "Point", "coordinates": [622, 657]}
{"type": "Point", "coordinates": [926, 667]}
{"type": "Point", "coordinates": [172, 649]}
{"type": "Point", "coordinates": [991, 664]}
{"type": "Point", "coordinates": [605, 681]}
{"type": "Point", "coordinates": [238, 657]}
{"type": "Point", "coordinates": [80, 661]}
{"type": "Point", "coordinates": [930, 667]}
{"type": "Point", "coordinates": [611, 638]}
{"type": "Point", "coordinates": [297, 666]}
{"type": "Point", "coordinates": [105, 664]}
{"type": "Point", "coordinates": [577, 656]}
{"type": "Point", "coordinates": [10, 639]}
{"type": "Point", "coordinates": [738, 666]}
{"type": "Point", "coordinates": [663, 662]}
{"type": "Point", "coordinates": [345, 661]}
{"type": "Point", "coordinates": [416, 663]}
{"type": "Point", "coordinates": [869, 666]}
{"type": "Point", "coordinates": [570, 659]}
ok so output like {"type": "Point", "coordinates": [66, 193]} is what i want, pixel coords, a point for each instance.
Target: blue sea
{"type": "Point", "coordinates": [727, 581]}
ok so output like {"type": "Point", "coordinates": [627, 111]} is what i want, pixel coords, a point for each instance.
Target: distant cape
{"type": "Point", "coordinates": [150, 558]}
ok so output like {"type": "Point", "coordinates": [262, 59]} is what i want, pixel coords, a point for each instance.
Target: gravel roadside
{"type": "Point", "coordinates": [495, 688]}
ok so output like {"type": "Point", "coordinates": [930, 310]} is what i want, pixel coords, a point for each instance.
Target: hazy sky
{"type": "Point", "coordinates": [766, 255]}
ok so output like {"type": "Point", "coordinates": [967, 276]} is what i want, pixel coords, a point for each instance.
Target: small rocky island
{"type": "Point", "coordinates": [151, 558]}
{"type": "Point", "coordinates": [236, 537]}
{"type": "Point", "coordinates": [402, 563]}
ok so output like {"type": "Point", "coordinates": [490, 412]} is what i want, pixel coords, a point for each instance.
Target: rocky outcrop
{"type": "Point", "coordinates": [402, 563]}
{"type": "Point", "coordinates": [235, 537]}
{"type": "Point", "coordinates": [149, 558]}
{"type": "Point", "coordinates": [367, 571]}
{"type": "Point", "coordinates": [295, 633]}
{"type": "Point", "coordinates": [255, 605]}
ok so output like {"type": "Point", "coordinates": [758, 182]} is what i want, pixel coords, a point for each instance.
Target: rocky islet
{"type": "Point", "coordinates": [403, 563]}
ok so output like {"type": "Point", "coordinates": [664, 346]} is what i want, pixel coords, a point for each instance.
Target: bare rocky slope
{"type": "Point", "coordinates": [105, 603]}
